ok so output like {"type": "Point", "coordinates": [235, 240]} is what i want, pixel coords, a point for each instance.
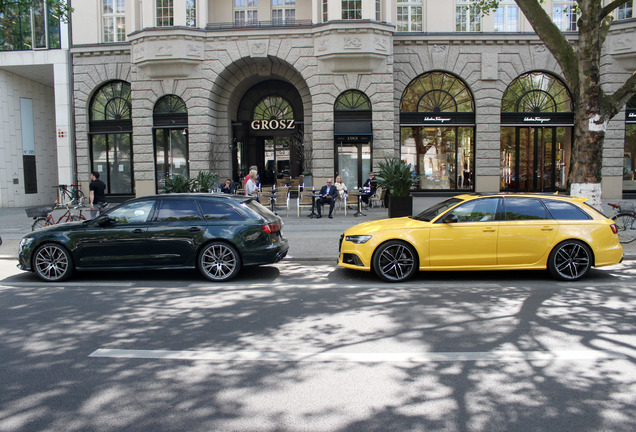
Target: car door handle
{"type": "Point", "coordinates": [138, 231]}
{"type": "Point", "coordinates": [194, 229]}
{"type": "Point", "coordinates": [489, 229]}
{"type": "Point", "coordinates": [547, 228]}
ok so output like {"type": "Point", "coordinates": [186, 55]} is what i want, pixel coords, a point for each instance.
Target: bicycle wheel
{"type": "Point", "coordinates": [625, 222]}
{"type": "Point", "coordinates": [39, 223]}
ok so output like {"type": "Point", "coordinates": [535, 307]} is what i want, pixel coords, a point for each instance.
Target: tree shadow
{"type": "Point", "coordinates": [49, 331]}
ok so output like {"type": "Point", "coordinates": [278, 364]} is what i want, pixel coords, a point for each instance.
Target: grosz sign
{"type": "Point", "coordinates": [273, 124]}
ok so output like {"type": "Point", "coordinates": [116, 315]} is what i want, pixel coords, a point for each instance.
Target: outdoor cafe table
{"type": "Point", "coordinates": [359, 194]}
{"type": "Point", "coordinates": [315, 194]}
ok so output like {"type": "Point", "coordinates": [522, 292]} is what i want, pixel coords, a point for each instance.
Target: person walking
{"type": "Point", "coordinates": [328, 195]}
{"type": "Point", "coordinates": [97, 193]}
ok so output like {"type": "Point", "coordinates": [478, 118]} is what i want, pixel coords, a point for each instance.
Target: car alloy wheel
{"type": "Point", "coordinates": [52, 263]}
{"type": "Point", "coordinates": [570, 260]}
{"type": "Point", "coordinates": [219, 262]}
{"type": "Point", "coordinates": [395, 261]}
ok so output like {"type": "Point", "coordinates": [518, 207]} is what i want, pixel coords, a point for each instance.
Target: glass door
{"type": "Point", "coordinates": [534, 159]}
{"type": "Point", "coordinates": [354, 163]}
{"type": "Point", "coordinates": [171, 154]}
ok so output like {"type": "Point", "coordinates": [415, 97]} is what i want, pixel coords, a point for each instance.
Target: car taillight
{"type": "Point", "coordinates": [271, 228]}
{"type": "Point", "coordinates": [614, 228]}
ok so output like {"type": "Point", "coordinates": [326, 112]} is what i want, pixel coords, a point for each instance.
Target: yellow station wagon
{"type": "Point", "coordinates": [486, 232]}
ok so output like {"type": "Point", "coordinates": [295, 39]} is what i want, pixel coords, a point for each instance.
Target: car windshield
{"type": "Point", "coordinates": [432, 212]}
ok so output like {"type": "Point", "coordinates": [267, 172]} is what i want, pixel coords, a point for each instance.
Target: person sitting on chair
{"type": "Point", "coordinates": [328, 195]}
{"type": "Point", "coordinates": [369, 186]}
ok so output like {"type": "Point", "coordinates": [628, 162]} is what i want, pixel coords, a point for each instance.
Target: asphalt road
{"type": "Point", "coordinates": [307, 346]}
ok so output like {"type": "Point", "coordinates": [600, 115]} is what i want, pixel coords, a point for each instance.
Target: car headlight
{"type": "Point", "coordinates": [25, 242]}
{"type": "Point", "coordinates": [358, 239]}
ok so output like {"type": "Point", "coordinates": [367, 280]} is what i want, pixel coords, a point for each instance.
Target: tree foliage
{"type": "Point", "coordinates": [580, 62]}
{"type": "Point", "coordinates": [60, 8]}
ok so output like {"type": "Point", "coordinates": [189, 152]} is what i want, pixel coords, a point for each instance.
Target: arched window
{"type": "Point", "coordinates": [170, 125]}
{"type": "Point", "coordinates": [437, 128]}
{"type": "Point", "coordinates": [110, 127]}
{"type": "Point", "coordinates": [273, 108]}
{"type": "Point", "coordinates": [536, 133]}
{"type": "Point", "coordinates": [353, 133]}
{"type": "Point", "coordinates": [536, 92]}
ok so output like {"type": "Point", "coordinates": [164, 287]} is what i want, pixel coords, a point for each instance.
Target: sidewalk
{"type": "Point", "coordinates": [309, 239]}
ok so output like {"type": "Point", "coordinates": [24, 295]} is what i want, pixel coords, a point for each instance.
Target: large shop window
{"type": "Point", "coordinates": [629, 170]}
{"type": "Point", "coordinates": [437, 131]}
{"type": "Point", "coordinates": [536, 134]}
{"type": "Point", "coordinates": [110, 130]}
{"type": "Point", "coordinates": [170, 134]}
{"type": "Point", "coordinates": [353, 132]}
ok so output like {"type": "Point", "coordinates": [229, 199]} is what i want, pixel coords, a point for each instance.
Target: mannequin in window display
{"type": "Point", "coordinates": [460, 167]}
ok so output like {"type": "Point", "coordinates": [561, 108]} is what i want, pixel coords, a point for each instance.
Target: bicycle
{"type": "Point", "coordinates": [625, 222]}
{"type": "Point", "coordinates": [72, 196]}
{"type": "Point", "coordinates": [67, 216]}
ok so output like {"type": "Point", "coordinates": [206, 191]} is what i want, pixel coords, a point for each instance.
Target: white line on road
{"type": "Point", "coordinates": [506, 356]}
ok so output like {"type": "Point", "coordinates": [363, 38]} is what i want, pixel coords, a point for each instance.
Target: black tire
{"type": "Point", "coordinates": [219, 262]}
{"type": "Point", "coordinates": [395, 261]}
{"type": "Point", "coordinates": [52, 263]}
{"type": "Point", "coordinates": [570, 260]}
{"type": "Point", "coordinates": [626, 224]}
{"type": "Point", "coordinates": [39, 223]}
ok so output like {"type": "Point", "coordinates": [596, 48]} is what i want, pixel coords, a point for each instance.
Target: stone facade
{"type": "Point", "coordinates": [212, 70]}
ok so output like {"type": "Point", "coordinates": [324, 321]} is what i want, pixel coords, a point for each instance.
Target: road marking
{"type": "Point", "coordinates": [506, 356]}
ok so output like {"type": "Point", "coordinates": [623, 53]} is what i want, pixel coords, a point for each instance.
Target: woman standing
{"type": "Point", "coordinates": [251, 190]}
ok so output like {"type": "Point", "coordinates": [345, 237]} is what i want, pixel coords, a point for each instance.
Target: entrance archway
{"type": "Point", "coordinates": [268, 132]}
{"type": "Point", "coordinates": [536, 134]}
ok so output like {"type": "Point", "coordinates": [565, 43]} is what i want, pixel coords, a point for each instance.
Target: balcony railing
{"type": "Point", "coordinates": [258, 24]}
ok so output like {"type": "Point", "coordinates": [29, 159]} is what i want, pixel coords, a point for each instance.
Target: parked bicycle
{"type": "Point", "coordinates": [67, 216]}
{"type": "Point", "coordinates": [69, 194]}
{"type": "Point", "coordinates": [625, 222]}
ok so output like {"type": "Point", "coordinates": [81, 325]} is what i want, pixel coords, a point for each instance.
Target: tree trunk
{"type": "Point", "coordinates": [591, 116]}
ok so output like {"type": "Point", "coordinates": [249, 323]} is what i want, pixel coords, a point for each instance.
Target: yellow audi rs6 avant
{"type": "Point", "coordinates": [486, 232]}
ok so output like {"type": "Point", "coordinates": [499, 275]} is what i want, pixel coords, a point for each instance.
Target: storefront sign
{"type": "Point", "coordinates": [433, 119]}
{"type": "Point", "coordinates": [536, 119]}
{"type": "Point", "coordinates": [436, 119]}
{"type": "Point", "coordinates": [273, 124]}
{"type": "Point", "coordinates": [544, 119]}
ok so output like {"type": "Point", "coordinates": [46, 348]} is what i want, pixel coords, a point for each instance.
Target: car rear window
{"type": "Point", "coordinates": [562, 210]}
{"type": "Point", "coordinates": [178, 210]}
{"type": "Point", "coordinates": [260, 210]}
{"type": "Point", "coordinates": [213, 211]}
{"type": "Point", "coordinates": [524, 209]}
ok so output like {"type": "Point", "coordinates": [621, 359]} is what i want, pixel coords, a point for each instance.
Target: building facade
{"type": "Point", "coordinates": [332, 87]}
{"type": "Point", "coordinates": [36, 117]}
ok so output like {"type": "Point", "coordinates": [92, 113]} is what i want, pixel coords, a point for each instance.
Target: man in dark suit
{"type": "Point", "coordinates": [328, 195]}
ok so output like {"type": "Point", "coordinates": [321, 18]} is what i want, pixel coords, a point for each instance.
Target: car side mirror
{"type": "Point", "coordinates": [450, 218]}
{"type": "Point", "coordinates": [104, 220]}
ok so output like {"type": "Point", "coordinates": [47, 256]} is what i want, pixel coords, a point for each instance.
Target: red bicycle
{"type": "Point", "coordinates": [67, 216]}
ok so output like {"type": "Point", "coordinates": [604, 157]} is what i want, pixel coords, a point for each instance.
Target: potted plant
{"type": "Point", "coordinates": [207, 181]}
{"type": "Point", "coordinates": [178, 184]}
{"type": "Point", "coordinates": [308, 180]}
{"type": "Point", "coordinates": [397, 178]}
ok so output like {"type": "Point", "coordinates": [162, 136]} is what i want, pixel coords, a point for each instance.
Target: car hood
{"type": "Point", "coordinates": [62, 227]}
{"type": "Point", "coordinates": [384, 225]}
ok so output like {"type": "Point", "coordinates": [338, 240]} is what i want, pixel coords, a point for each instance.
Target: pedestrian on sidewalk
{"type": "Point", "coordinates": [96, 194]}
